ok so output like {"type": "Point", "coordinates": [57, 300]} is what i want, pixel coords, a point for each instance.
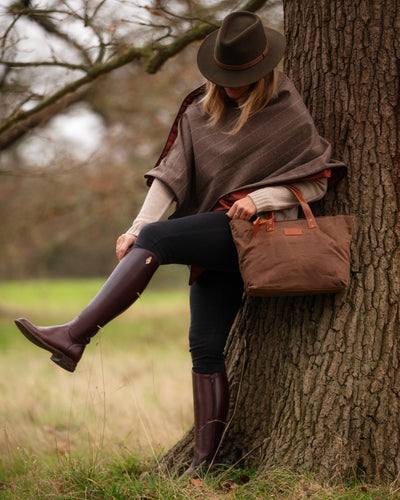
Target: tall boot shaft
{"type": "Point", "coordinates": [211, 405]}
{"type": "Point", "coordinates": [125, 284]}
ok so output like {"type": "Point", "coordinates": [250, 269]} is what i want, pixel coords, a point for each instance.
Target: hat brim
{"type": "Point", "coordinates": [239, 78]}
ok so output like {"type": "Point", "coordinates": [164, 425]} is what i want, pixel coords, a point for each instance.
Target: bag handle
{"type": "Point", "coordinates": [270, 220]}
{"type": "Point", "coordinates": [304, 205]}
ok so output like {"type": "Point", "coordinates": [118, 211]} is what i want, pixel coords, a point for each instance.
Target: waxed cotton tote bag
{"type": "Point", "coordinates": [294, 257]}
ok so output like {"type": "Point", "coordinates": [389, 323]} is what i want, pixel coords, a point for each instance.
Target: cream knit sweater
{"type": "Point", "coordinates": [276, 198]}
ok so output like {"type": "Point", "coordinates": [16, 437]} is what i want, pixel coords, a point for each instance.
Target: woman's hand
{"type": "Point", "coordinates": [242, 209]}
{"type": "Point", "coordinates": [124, 242]}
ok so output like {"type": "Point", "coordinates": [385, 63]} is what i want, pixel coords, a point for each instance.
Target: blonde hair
{"type": "Point", "coordinates": [253, 101]}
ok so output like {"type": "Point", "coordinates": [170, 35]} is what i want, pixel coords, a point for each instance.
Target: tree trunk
{"type": "Point", "coordinates": [315, 380]}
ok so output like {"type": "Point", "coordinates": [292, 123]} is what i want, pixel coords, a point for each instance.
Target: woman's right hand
{"type": "Point", "coordinates": [124, 242]}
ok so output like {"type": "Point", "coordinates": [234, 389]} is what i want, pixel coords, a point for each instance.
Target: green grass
{"type": "Point", "coordinates": [64, 296]}
{"type": "Point", "coordinates": [49, 302]}
{"type": "Point", "coordinates": [98, 433]}
{"type": "Point", "coordinates": [133, 478]}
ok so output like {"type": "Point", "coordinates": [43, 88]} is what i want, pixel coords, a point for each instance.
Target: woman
{"type": "Point", "coordinates": [233, 143]}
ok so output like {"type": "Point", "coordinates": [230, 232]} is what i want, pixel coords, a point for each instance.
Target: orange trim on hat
{"type": "Point", "coordinates": [236, 67]}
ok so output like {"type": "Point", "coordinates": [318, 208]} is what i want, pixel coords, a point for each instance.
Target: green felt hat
{"type": "Point", "coordinates": [241, 51]}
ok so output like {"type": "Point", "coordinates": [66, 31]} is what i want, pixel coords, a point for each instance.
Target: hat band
{"type": "Point", "coordinates": [237, 67]}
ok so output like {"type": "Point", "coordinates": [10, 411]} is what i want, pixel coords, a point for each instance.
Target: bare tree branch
{"type": "Point", "coordinates": [36, 64]}
{"type": "Point", "coordinates": [152, 55]}
{"type": "Point", "coordinates": [92, 73]}
{"type": "Point", "coordinates": [43, 17]}
{"type": "Point", "coordinates": [254, 5]}
{"type": "Point", "coordinates": [9, 137]}
{"type": "Point", "coordinates": [154, 58]}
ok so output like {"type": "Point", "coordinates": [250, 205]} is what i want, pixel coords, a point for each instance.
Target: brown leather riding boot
{"type": "Point", "coordinates": [125, 284]}
{"type": "Point", "coordinates": [211, 404]}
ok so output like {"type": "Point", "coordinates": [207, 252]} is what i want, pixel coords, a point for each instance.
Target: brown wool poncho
{"type": "Point", "coordinates": [280, 144]}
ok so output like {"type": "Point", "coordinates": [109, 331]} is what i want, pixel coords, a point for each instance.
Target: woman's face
{"type": "Point", "coordinates": [236, 92]}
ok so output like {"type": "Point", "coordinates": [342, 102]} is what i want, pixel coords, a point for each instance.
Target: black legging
{"type": "Point", "coordinates": [203, 240]}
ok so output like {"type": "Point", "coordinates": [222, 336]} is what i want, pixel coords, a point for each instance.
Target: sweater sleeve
{"type": "Point", "coordinates": [156, 203]}
{"type": "Point", "coordinates": [280, 198]}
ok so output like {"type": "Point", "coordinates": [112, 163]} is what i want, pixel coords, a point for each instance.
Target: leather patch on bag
{"type": "Point", "coordinates": [293, 232]}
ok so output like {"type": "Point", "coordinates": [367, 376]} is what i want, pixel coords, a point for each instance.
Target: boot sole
{"type": "Point", "coordinates": [57, 357]}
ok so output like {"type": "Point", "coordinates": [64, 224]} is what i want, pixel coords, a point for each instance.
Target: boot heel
{"type": "Point", "coordinates": [66, 363]}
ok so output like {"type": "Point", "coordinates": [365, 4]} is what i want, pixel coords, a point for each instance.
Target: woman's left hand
{"type": "Point", "coordinates": [242, 209]}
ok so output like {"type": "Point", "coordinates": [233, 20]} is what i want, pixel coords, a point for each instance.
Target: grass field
{"type": "Point", "coordinates": [97, 433]}
{"type": "Point", "coordinates": [131, 392]}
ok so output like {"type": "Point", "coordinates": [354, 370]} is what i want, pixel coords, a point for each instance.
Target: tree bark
{"type": "Point", "coordinates": [315, 381]}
